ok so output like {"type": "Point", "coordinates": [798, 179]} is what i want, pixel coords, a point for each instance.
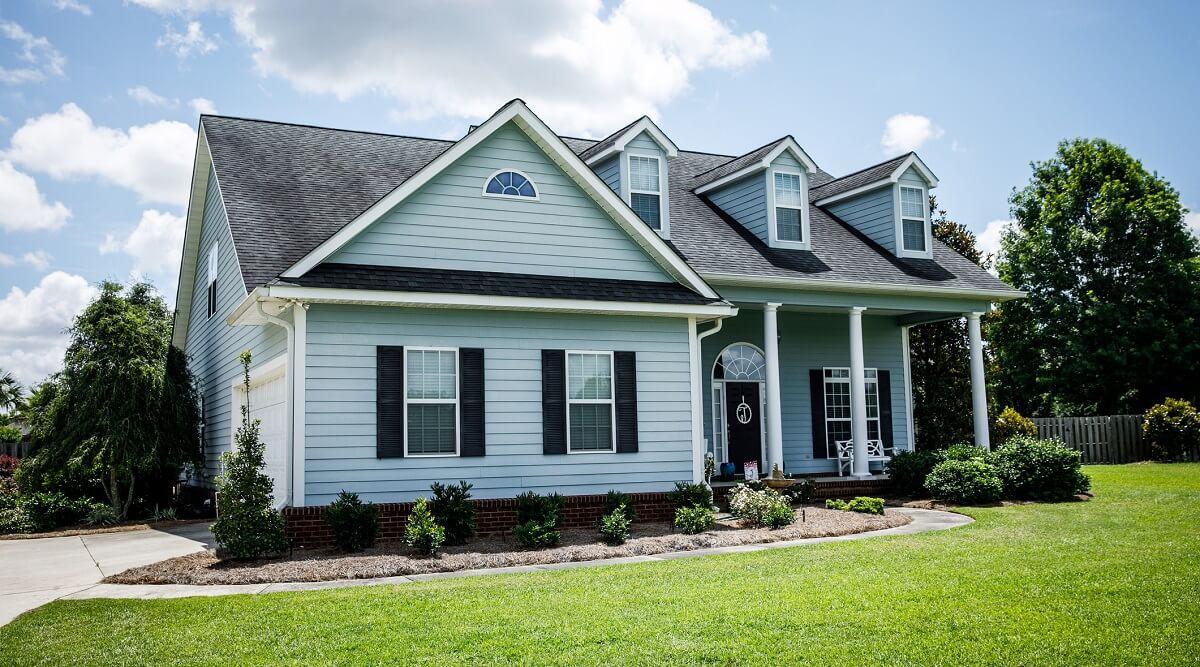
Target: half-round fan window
{"type": "Point", "coordinates": [510, 184]}
{"type": "Point", "coordinates": [740, 361]}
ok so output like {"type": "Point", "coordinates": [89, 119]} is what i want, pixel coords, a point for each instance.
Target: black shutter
{"type": "Point", "coordinates": [625, 375]}
{"type": "Point", "coordinates": [470, 397]}
{"type": "Point", "coordinates": [885, 408]}
{"type": "Point", "coordinates": [389, 401]}
{"type": "Point", "coordinates": [816, 387]}
{"type": "Point", "coordinates": [554, 402]}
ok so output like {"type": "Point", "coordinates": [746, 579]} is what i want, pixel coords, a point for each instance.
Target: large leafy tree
{"type": "Point", "coordinates": [940, 359]}
{"type": "Point", "coordinates": [124, 409]}
{"type": "Point", "coordinates": [1112, 322]}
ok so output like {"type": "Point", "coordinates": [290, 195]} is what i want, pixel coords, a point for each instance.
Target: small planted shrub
{"type": "Point", "coordinates": [908, 471]}
{"type": "Point", "coordinates": [537, 520]}
{"type": "Point", "coordinates": [421, 532]}
{"type": "Point", "coordinates": [779, 515]}
{"type": "Point", "coordinates": [837, 504]}
{"type": "Point", "coordinates": [963, 451]}
{"type": "Point", "coordinates": [13, 521]}
{"type": "Point", "coordinates": [1172, 428]}
{"type": "Point", "coordinates": [355, 524]}
{"type": "Point", "coordinates": [102, 514]}
{"type": "Point", "coordinates": [866, 505]}
{"type": "Point", "coordinates": [965, 482]}
{"type": "Point", "coordinates": [753, 505]}
{"type": "Point", "coordinates": [614, 526]}
{"type": "Point", "coordinates": [693, 520]}
{"type": "Point", "coordinates": [454, 510]}
{"type": "Point", "coordinates": [537, 534]}
{"type": "Point", "coordinates": [1033, 469]}
{"type": "Point", "coordinates": [691, 494]}
{"type": "Point", "coordinates": [616, 499]}
{"type": "Point", "coordinates": [1010, 424]}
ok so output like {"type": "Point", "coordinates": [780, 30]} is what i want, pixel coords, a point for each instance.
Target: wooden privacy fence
{"type": "Point", "coordinates": [17, 449]}
{"type": "Point", "coordinates": [1107, 439]}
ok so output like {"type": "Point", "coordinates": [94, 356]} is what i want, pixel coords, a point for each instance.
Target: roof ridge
{"type": "Point", "coordinates": [749, 152]}
{"type": "Point", "coordinates": [325, 127]}
{"type": "Point", "coordinates": [868, 168]}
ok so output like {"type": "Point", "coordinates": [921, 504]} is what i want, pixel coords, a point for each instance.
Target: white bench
{"type": "Point", "coordinates": [845, 455]}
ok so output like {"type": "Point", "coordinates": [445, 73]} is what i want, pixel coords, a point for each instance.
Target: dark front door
{"type": "Point", "coordinates": [745, 430]}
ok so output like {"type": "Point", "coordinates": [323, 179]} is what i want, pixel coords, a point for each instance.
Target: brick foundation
{"type": "Point", "coordinates": [306, 526]}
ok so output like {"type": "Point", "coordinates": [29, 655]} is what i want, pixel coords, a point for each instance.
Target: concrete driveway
{"type": "Point", "coordinates": [35, 572]}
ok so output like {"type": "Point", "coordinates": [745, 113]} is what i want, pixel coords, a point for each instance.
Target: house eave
{"type": "Point", "coordinates": [742, 280]}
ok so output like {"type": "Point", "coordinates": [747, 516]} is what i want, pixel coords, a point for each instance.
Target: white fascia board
{"type": "Point", "coordinates": [742, 280]}
{"type": "Point", "coordinates": [914, 160]}
{"type": "Point", "coordinates": [643, 125]}
{"type": "Point", "coordinates": [788, 145]}
{"type": "Point", "coordinates": [563, 156]}
{"type": "Point", "coordinates": [862, 189]}
{"type": "Point", "coordinates": [201, 165]}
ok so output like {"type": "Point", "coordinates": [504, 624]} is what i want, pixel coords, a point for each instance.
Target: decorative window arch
{"type": "Point", "coordinates": [741, 362]}
{"type": "Point", "coordinates": [511, 184]}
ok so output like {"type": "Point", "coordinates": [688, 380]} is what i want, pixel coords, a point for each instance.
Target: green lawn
{"type": "Point", "coordinates": [1111, 581]}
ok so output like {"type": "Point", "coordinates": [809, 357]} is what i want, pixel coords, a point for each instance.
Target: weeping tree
{"type": "Point", "coordinates": [124, 409]}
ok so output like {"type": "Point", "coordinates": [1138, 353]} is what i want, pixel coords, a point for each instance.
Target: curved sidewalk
{"type": "Point", "coordinates": [923, 521]}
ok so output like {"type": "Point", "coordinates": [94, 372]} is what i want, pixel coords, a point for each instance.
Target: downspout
{"type": "Point", "coordinates": [698, 446]}
{"type": "Point", "coordinates": [291, 379]}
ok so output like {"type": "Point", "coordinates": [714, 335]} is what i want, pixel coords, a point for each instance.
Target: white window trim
{"type": "Point", "coordinates": [825, 397]}
{"type": "Point", "coordinates": [901, 251]}
{"type": "Point", "coordinates": [537, 192]}
{"type": "Point", "coordinates": [440, 401]}
{"type": "Point", "coordinates": [720, 404]}
{"type": "Point", "coordinates": [611, 400]}
{"type": "Point", "coordinates": [627, 190]}
{"type": "Point", "coordinates": [773, 239]}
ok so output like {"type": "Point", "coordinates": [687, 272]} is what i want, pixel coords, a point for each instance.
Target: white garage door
{"type": "Point", "coordinates": [268, 404]}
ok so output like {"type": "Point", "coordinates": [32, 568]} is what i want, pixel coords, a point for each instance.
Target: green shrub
{"type": "Point", "coordinates": [693, 520]}
{"type": "Point", "coordinates": [14, 520]}
{"type": "Point", "coordinates": [247, 524]}
{"type": "Point", "coordinates": [354, 524]}
{"type": "Point", "coordinates": [1010, 424]}
{"type": "Point", "coordinates": [537, 508]}
{"type": "Point", "coordinates": [49, 510]}
{"type": "Point", "coordinates": [801, 492]}
{"type": "Point", "coordinates": [779, 515]}
{"type": "Point", "coordinates": [908, 470]}
{"type": "Point", "coordinates": [9, 433]}
{"type": "Point", "coordinates": [535, 534]}
{"type": "Point", "coordinates": [866, 505]}
{"type": "Point", "coordinates": [454, 510]}
{"type": "Point", "coordinates": [1035, 469]}
{"type": "Point", "coordinates": [614, 526]}
{"type": "Point", "coordinates": [963, 451]}
{"type": "Point", "coordinates": [691, 494]}
{"type": "Point", "coordinates": [421, 532]}
{"type": "Point", "coordinates": [164, 514]}
{"type": "Point", "coordinates": [8, 493]}
{"type": "Point", "coordinates": [837, 504]}
{"type": "Point", "coordinates": [754, 505]}
{"type": "Point", "coordinates": [968, 482]}
{"type": "Point", "coordinates": [102, 514]}
{"type": "Point", "coordinates": [1172, 428]}
{"type": "Point", "coordinates": [616, 499]}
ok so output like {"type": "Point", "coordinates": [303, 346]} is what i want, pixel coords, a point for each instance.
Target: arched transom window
{"type": "Point", "coordinates": [510, 183]}
{"type": "Point", "coordinates": [741, 362]}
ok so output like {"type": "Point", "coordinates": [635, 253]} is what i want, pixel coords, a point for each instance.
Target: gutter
{"type": "Point", "coordinates": [742, 280]}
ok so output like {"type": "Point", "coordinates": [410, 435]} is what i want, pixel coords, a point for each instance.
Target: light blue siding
{"type": "Point", "coordinates": [786, 161]}
{"type": "Point", "coordinates": [913, 177]}
{"type": "Point", "coordinates": [449, 224]}
{"type": "Point", "coordinates": [746, 202]}
{"type": "Point", "coordinates": [340, 390]}
{"type": "Point", "coordinates": [644, 143]}
{"type": "Point", "coordinates": [872, 213]}
{"type": "Point", "coordinates": [807, 341]}
{"type": "Point", "coordinates": [212, 345]}
{"type": "Point", "coordinates": [609, 171]}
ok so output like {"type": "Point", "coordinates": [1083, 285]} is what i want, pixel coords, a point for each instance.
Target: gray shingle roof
{"type": "Point", "coordinates": [287, 188]}
{"type": "Point", "coordinates": [736, 164]}
{"type": "Point", "coordinates": [606, 142]}
{"type": "Point", "coordinates": [846, 183]}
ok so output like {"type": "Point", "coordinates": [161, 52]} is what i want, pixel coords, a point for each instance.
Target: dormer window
{"type": "Point", "coordinates": [645, 189]}
{"type": "Point", "coordinates": [510, 183]}
{"type": "Point", "coordinates": [788, 207]}
{"type": "Point", "coordinates": [913, 219]}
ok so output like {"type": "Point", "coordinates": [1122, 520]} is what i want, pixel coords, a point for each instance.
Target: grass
{"type": "Point", "coordinates": [1112, 581]}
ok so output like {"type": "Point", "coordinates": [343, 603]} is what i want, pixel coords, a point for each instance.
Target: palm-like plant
{"type": "Point", "coordinates": [10, 392]}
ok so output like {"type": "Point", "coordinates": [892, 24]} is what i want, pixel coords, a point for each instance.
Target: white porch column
{"type": "Point", "coordinates": [978, 386]}
{"type": "Point", "coordinates": [774, 402]}
{"type": "Point", "coordinates": [858, 396]}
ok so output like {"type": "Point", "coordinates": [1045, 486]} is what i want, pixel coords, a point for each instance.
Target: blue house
{"type": "Point", "coordinates": [527, 311]}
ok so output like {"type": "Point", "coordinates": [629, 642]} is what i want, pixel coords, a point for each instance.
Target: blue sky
{"type": "Point", "coordinates": [100, 100]}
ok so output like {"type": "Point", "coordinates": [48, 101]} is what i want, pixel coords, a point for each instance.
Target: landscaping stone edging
{"type": "Point", "coordinates": [923, 520]}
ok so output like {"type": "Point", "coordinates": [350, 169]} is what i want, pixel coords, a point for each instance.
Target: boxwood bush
{"type": "Point", "coordinates": [1033, 469]}
{"type": "Point", "coordinates": [965, 482]}
{"type": "Point", "coordinates": [1172, 428]}
{"type": "Point", "coordinates": [691, 494]}
{"type": "Point", "coordinates": [908, 471]}
{"type": "Point", "coordinates": [693, 520]}
{"type": "Point", "coordinates": [616, 499]}
{"type": "Point", "coordinates": [354, 524]}
{"type": "Point", "coordinates": [421, 532]}
{"type": "Point", "coordinates": [454, 510]}
{"type": "Point", "coordinates": [614, 526]}
{"type": "Point", "coordinates": [863, 504]}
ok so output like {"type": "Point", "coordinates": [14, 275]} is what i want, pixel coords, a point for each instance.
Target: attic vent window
{"type": "Point", "coordinates": [510, 183]}
{"type": "Point", "coordinates": [912, 217]}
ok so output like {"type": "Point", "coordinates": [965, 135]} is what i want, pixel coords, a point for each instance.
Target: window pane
{"type": "Point", "coordinates": [512, 184]}
{"type": "Point", "coordinates": [431, 428]}
{"type": "Point", "coordinates": [432, 374]}
{"type": "Point", "coordinates": [643, 173]}
{"type": "Point", "coordinates": [787, 189]}
{"type": "Point", "coordinates": [914, 234]}
{"type": "Point", "coordinates": [589, 376]}
{"type": "Point", "coordinates": [911, 204]}
{"type": "Point", "coordinates": [741, 362]}
{"type": "Point", "coordinates": [646, 207]}
{"type": "Point", "coordinates": [872, 400]}
{"type": "Point", "coordinates": [787, 224]}
{"type": "Point", "coordinates": [837, 400]}
{"type": "Point", "coordinates": [591, 427]}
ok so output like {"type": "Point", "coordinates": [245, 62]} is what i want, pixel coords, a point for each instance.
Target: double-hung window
{"type": "Point", "coordinates": [838, 422]}
{"type": "Point", "coordinates": [211, 291]}
{"type": "Point", "coordinates": [431, 401]}
{"type": "Point", "coordinates": [645, 189]}
{"type": "Point", "coordinates": [591, 411]}
{"type": "Point", "coordinates": [912, 219]}
{"type": "Point", "coordinates": [788, 207]}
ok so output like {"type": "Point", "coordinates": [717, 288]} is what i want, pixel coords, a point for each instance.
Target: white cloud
{"type": "Point", "coordinates": [583, 67]}
{"type": "Point", "coordinates": [33, 324]}
{"type": "Point", "coordinates": [153, 160]}
{"type": "Point", "coordinates": [7, 259]}
{"type": "Point", "coordinates": [202, 105]}
{"type": "Point", "coordinates": [155, 244]}
{"type": "Point", "coordinates": [988, 241]}
{"type": "Point", "coordinates": [907, 132]}
{"type": "Point", "coordinates": [191, 41]}
{"type": "Point", "coordinates": [1192, 220]}
{"type": "Point", "coordinates": [38, 259]}
{"type": "Point", "coordinates": [143, 95]}
{"type": "Point", "coordinates": [74, 6]}
{"type": "Point", "coordinates": [23, 208]}
{"type": "Point", "coordinates": [39, 57]}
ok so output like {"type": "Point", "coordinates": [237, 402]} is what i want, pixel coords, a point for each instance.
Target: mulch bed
{"type": "Point", "coordinates": [100, 530]}
{"type": "Point", "coordinates": [392, 559]}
